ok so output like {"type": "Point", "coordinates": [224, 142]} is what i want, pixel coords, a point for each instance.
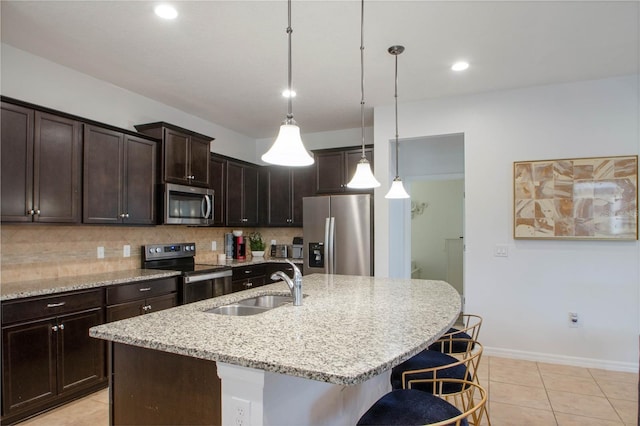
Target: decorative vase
{"type": "Point", "coordinates": [257, 253]}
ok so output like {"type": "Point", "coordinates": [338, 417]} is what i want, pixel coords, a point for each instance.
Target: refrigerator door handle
{"type": "Point", "coordinates": [332, 245]}
{"type": "Point", "coordinates": [327, 250]}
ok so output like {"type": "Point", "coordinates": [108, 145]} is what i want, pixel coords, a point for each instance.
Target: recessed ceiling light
{"type": "Point", "coordinates": [460, 66]}
{"type": "Point", "coordinates": [288, 94]}
{"type": "Point", "coordinates": [166, 11]}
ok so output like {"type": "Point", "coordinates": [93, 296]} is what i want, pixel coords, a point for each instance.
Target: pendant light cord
{"type": "Point", "coordinates": [289, 31]}
{"type": "Point", "coordinates": [396, 100]}
{"type": "Point", "coordinates": [362, 73]}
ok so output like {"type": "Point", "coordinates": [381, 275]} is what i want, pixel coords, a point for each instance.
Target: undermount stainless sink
{"type": "Point", "coordinates": [252, 306]}
{"type": "Point", "coordinates": [267, 301]}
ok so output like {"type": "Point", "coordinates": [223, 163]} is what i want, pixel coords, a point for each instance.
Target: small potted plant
{"type": "Point", "coordinates": [256, 244]}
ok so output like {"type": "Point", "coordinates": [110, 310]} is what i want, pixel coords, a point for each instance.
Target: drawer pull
{"type": "Point", "coordinates": [56, 305]}
{"type": "Point", "coordinates": [247, 272]}
{"type": "Point", "coordinates": [145, 289]}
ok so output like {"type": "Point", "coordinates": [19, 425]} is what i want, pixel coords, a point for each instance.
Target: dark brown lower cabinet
{"type": "Point", "coordinates": [49, 361]}
{"type": "Point", "coordinates": [141, 297]}
{"type": "Point", "coordinates": [149, 387]}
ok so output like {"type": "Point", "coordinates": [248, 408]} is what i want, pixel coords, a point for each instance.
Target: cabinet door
{"type": "Point", "coordinates": [176, 150]}
{"type": "Point", "coordinates": [250, 196]}
{"type": "Point", "coordinates": [352, 158]}
{"type": "Point", "coordinates": [139, 191]}
{"type": "Point", "coordinates": [303, 184]}
{"type": "Point", "coordinates": [81, 359]}
{"type": "Point", "coordinates": [278, 194]}
{"type": "Point", "coordinates": [16, 138]}
{"type": "Point", "coordinates": [57, 163]}
{"type": "Point", "coordinates": [217, 168]}
{"type": "Point", "coordinates": [234, 193]}
{"type": "Point", "coordinates": [200, 152]}
{"type": "Point", "coordinates": [330, 172]}
{"type": "Point", "coordinates": [102, 175]}
{"type": "Point", "coordinates": [28, 364]}
{"type": "Point", "coordinates": [125, 310]}
{"type": "Point", "coordinates": [159, 303]}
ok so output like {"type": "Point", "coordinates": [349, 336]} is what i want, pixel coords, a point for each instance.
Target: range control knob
{"type": "Point", "coordinates": [158, 249]}
{"type": "Point", "coordinates": [187, 248]}
{"type": "Point", "coordinates": [193, 248]}
{"type": "Point", "coordinates": [151, 250]}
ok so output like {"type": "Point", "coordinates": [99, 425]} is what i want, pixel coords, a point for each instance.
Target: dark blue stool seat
{"type": "Point", "coordinates": [430, 359]}
{"type": "Point", "coordinates": [449, 346]}
{"type": "Point", "coordinates": [409, 407]}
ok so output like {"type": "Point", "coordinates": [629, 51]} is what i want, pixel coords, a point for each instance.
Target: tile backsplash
{"type": "Point", "coordinates": [30, 252]}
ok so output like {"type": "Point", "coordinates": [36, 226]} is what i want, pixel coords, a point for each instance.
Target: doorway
{"type": "Point", "coordinates": [433, 170]}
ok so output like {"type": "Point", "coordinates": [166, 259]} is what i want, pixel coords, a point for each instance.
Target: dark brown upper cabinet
{"type": "Point", "coordinates": [119, 178]}
{"type": "Point", "coordinates": [335, 168]}
{"type": "Point", "coordinates": [41, 163]}
{"type": "Point", "coordinates": [281, 193]}
{"type": "Point", "coordinates": [242, 194]}
{"type": "Point", "coordinates": [218, 175]}
{"type": "Point", "coordinates": [185, 154]}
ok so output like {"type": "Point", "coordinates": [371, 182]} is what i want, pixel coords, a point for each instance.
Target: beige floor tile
{"type": "Point", "coordinates": [619, 390]}
{"type": "Point", "coordinates": [514, 415]}
{"type": "Point", "coordinates": [573, 384]}
{"type": "Point", "coordinates": [508, 362]}
{"type": "Point", "coordinates": [608, 375]}
{"type": "Point", "coordinates": [627, 410]}
{"type": "Point", "coordinates": [100, 396]}
{"type": "Point", "coordinates": [517, 375]}
{"type": "Point", "coordinates": [525, 396]}
{"type": "Point", "coordinates": [573, 420]}
{"type": "Point", "coordinates": [582, 405]}
{"type": "Point", "coordinates": [566, 370]}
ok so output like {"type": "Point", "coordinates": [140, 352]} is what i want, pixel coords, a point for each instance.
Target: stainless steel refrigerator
{"type": "Point", "coordinates": [338, 234]}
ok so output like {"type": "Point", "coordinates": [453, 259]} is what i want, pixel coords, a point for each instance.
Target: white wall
{"type": "Point", "coordinates": [525, 298]}
{"type": "Point", "coordinates": [33, 79]}
{"type": "Point", "coordinates": [440, 220]}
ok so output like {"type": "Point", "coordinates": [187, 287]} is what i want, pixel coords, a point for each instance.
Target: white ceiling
{"type": "Point", "coordinates": [225, 61]}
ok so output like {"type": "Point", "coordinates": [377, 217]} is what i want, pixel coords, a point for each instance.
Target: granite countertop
{"type": "Point", "coordinates": [348, 329]}
{"type": "Point", "coordinates": [20, 289]}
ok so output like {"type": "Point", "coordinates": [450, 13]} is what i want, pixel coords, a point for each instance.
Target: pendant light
{"type": "Point", "coordinates": [397, 189]}
{"type": "Point", "coordinates": [363, 177]}
{"type": "Point", "coordinates": [288, 149]}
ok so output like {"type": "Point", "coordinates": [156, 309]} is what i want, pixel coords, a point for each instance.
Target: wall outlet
{"type": "Point", "coordinates": [214, 246]}
{"type": "Point", "coordinates": [501, 250]}
{"type": "Point", "coordinates": [241, 409]}
{"type": "Point", "coordinates": [101, 252]}
{"type": "Point", "coordinates": [573, 320]}
{"type": "Point", "coordinates": [126, 250]}
{"type": "Point", "coordinates": [273, 242]}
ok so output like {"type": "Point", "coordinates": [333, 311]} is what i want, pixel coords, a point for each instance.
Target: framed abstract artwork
{"type": "Point", "coordinates": [576, 198]}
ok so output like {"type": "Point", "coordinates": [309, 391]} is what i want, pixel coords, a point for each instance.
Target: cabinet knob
{"type": "Point", "coordinates": [122, 215]}
{"type": "Point", "coordinates": [248, 284]}
{"type": "Point", "coordinates": [126, 215]}
{"type": "Point", "coordinates": [54, 328]}
{"type": "Point", "coordinates": [61, 326]}
{"type": "Point", "coordinates": [38, 211]}
{"type": "Point", "coordinates": [31, 212]}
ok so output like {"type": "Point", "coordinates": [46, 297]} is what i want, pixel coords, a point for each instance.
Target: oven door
{"type": "Point", "coordinates": [205, 286]}
{"type": "Point", "coordinates": [187, 205]}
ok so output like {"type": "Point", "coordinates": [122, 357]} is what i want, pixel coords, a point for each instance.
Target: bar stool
{"type": "Point", "coordinates": [431, 365]}
{"type": "Point", "coordinates": [415, 407]}
{"type": "Point", "coordinates": [470, 329]}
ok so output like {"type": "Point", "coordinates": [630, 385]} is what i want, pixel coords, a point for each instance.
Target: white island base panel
{"type": "Point", "coordinates": [257, 397]}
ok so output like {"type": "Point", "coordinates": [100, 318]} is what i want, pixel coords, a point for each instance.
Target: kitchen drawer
{"type": "Point", "coordinates": [140, 290]}
{"type": "Point", "coordinates": [40, 307]}
{"type": "Point", "coordinates": [247, 284]}
{"type": "Point", "coordinates": [242, 272]}
{"type": "Point", "coordinates": [141, 307]}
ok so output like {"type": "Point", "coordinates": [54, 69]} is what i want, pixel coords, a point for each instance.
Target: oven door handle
{"type": "Point", "coordinates": [209, 276]}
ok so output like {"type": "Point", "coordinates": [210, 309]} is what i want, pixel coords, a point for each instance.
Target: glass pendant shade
{"type": "Point", "coordinates": [288, 150]}
{"type": "Point", "coordinates": [363, 177]}
{"type": "Point", "coordinates": [397, 190]}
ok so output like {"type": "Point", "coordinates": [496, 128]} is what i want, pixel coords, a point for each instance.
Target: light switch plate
{"type": "Point", "coordinates": [214, 246]}
{"type": "Point", "coordinates": [126, 250]}
{"type": "Point", "coordinates": [100, 252]}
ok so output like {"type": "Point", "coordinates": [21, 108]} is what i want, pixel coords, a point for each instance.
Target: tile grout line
{"type": "Point", "coordinates": [606, 396]}
{"type": "Point", "coordinates": [546, 392]}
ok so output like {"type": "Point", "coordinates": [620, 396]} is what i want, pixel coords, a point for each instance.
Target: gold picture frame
{"type": "Point", "coordinates": [576, 198]}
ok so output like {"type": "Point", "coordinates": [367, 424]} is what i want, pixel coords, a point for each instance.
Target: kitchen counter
{"type": "Point", "coordinates": [251, 261]}
{"type": "Point", "coordinates": [324, 362]}
{"type": "Point", "coordinates": [347, 330]}
{"type": "Point", "coordinates": [21, 289]}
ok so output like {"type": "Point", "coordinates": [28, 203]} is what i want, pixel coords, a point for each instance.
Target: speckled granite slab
{"type": "Point", "coordinates": [19, 289]}
{"type": "Point", "coordinates": [348, 329]}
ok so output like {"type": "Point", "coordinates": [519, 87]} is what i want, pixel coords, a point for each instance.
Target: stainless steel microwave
{"type": "Point", "coordinates": [187, 205]}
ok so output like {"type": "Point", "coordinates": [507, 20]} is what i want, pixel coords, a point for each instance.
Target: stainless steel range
{"type": "Point", "coordinates": [199, 281]}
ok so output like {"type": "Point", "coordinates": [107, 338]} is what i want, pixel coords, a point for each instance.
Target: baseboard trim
{"type": "Point", "coordinates": [628, 367]}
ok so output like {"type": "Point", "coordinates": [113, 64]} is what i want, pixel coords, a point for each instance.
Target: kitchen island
{"type": "Point", "coordinates": [324, 362]}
